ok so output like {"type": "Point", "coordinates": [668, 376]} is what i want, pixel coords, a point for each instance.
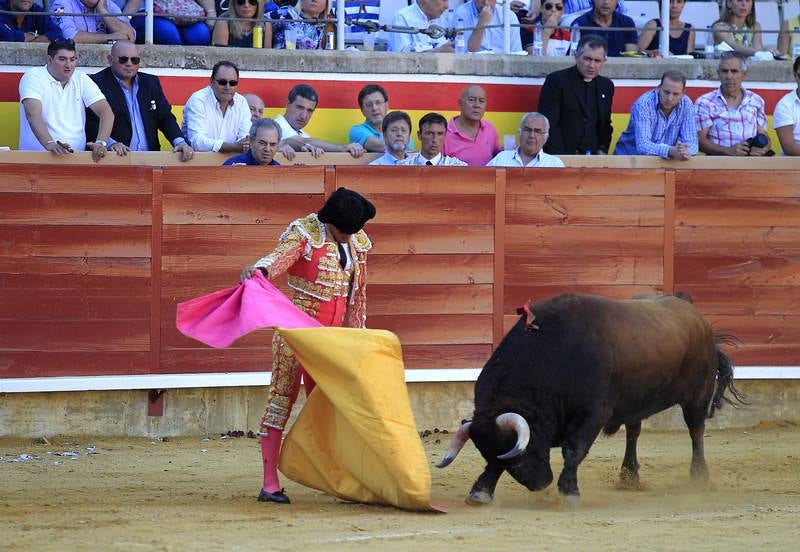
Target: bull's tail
{"type": "Point", "coordinates": [725, 378]}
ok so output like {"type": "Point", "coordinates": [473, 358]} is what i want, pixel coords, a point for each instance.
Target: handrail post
{"type": "Point", "coordinates": [340, 24]}
{"type": "Point", "coordinates": [148, 22]}
{"type": "Point", "coordinates": [663, 42]}
{"type": "Point", "coordinates": [507, 27]}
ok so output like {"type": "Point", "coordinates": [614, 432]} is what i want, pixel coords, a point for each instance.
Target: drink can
{"type": "Point", "coordinates": [258, 36]}
{"type": "Point", "coordinates": [329, 45]}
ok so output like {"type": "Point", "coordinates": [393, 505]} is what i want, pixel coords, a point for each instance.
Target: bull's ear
{"type": "Point", "coordinates": [520, 311]}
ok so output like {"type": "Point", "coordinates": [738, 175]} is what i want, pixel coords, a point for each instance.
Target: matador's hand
{"type": "Point", "coordinates": [247, 273]}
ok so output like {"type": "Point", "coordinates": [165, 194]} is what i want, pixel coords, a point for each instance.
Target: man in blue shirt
{"type": "Point", "coordinates": [374, 103]}
{"type": "Point", "coordinates": [396, 134]}
{"type": "Point", "coordinates": [26, 28]}
{"type": "Point", "coordinates": [265, 135]}
{"type": "Point", "coordinates": [604, 15]}
{"type": "Point", "coordinates": [662, 122]}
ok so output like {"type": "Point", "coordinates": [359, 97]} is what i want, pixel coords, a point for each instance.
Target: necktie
{"type": "Point", "coordinates": [342, 255]}
{"type": "Point", "coordinates": [428, 163]}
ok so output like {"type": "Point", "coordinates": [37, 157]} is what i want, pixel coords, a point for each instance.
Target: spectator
{"type": "Point", "coordinates": [604, 15]}
{"type": "Point", "coordinates": [256, 105]}
{"type": "Point", "coordinates": [26, 28]}
{"type": "Point", "coordinates": [265, 135]}
{"type": "Point", "coordinates": [374, 103]}
{"type": "Point", "coordinates": [431, 134]}
{"type": "Point", "coordinates": [573, 6]}
{"type": "Point", "coordinates": [396, 135]}
{"type": "Point", "coordinates": [662, 122]}
{"type": "Point", "coordinates": [787, 38]}
{"type": "Point", "coordinates": [52, 102]}
{"type": "Point", "coordinates": [308, 35]}
{"type": "Point", "coordinates": [730, 115]}
{"type": "Point", "coordinates": [140, 107]}
{"type": "Point", "coordinates": [187, 30]}
{"type": "Point", "coordinates": [577, 102]}
{"type": "Point", "coordinates": [787, 117]}
{"type": "Point", "coordinates": [216, 118]}
{"type": "Point", "coordinates": [300, 106]}
{"type": "Point", "coordinates": [738, 29]}
{"type": "Point", "coordinates": [533, 130]}
{"type": "Point", "coordinates": [421, 14]}
{"type": "Point", "coordinates": [232, 31]}
{"type": "Point", "coordinates": [469, 137]}
{"type": "Point", "coordinates": [101, 22]}
{"type": "Point", "coordinates": [480, 14]}
{"type": "Point", "coordinates": [555, 41]}
{"type": "Point", "coordinates": [681, 35]}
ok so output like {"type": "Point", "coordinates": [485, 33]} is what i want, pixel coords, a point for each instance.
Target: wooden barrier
{"type": "Point", "coordinates": [93, 262]}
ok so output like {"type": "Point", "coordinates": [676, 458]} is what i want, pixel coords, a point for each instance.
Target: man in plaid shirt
{"type": "Point", "coordinates": [731, 115]}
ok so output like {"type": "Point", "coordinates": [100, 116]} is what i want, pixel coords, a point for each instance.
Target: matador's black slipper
{"type": "Point", "coordinates": [279, 497]}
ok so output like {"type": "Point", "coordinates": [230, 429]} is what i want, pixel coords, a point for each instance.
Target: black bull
{"type": "Point", "coordinates": [574, 365]}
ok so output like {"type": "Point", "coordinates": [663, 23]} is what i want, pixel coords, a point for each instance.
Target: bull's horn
{"type": "Point", "coordinates": [516, 423]}
{"type": "Point", "coordinates": [456, 445]}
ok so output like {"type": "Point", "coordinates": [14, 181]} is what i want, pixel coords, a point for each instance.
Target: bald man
{"type": "Point", "coordinates": [256, 106]}
{"type": "Point", "coordinates": [469, 137]}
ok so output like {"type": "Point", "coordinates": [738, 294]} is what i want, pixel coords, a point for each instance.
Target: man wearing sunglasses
{"type": "Point", "coordinates": [217, 118]}
{"type": "Point", "coordinates": [140, 107]}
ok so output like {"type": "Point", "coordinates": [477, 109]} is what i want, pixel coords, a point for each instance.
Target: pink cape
{"type": "Point", "coordinates": [220, 318]}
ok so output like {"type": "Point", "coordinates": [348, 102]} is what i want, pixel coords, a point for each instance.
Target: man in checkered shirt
{"type": "Point", "coordinates": [730, 115]}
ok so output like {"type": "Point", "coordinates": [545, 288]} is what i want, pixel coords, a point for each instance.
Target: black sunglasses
{"type": "Point", "coordinates": [133, 59]}
{"type": "Point", "coordinates": [224, 82]}
{"type": "Point", "coordinates": [557, 7]}
{"type": "Point", "coordinates": [243, 2]}
{"type": "Point", "coordinates": [61, 42]}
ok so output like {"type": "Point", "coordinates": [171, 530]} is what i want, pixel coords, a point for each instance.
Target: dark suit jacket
{"type": "Point", "coordinates": [155, 110]}
{"type": "Point", "coordinates": [563, 102]}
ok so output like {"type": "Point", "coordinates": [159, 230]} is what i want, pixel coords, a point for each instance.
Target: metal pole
{"type": "Point", "coordinates": [663, 43]}
{"type": "Point", "coordinates": [340, 24]}
{"type": "Point", "coordinates": [148, 22]}
{"type": "Point", "coordinates": [507, 27]}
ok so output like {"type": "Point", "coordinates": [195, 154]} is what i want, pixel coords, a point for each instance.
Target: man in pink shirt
{"type": "Point", "coordinates": [469, 137]}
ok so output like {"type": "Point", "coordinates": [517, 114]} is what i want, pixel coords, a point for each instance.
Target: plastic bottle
{"type": "Point", "coordinates": [709, 48]}
{"type": "Point", "coordinates": [461, 42]}
{"type": "Point", "coordinates": [574, 39]}
{"type": "Point", "coordinates": [537, 41]}
{"type": "Point", "coordinates": [796, 43]}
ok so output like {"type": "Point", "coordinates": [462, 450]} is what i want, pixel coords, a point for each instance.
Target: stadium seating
{"type": "Point", "coordinates": [767, 15]}
{"type": "Point", "coordinates": [701, 14]}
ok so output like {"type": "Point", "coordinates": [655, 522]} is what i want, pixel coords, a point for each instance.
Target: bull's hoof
{"type": "Point", "coordinates": [628, 480]}
{"type": "Point", "coordinates": [478, 498]}
{"type": "Point", "coordinates": [571, 501]}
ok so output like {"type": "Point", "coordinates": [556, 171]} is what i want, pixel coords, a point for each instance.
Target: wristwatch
{"type": "Point", "coordinates": [101, 142]}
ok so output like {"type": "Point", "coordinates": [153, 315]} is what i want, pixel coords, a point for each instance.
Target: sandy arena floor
{"type": "Point", "coordinates": [191, 494]}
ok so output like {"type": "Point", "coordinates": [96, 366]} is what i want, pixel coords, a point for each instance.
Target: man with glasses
{"type": "Point", "coordinates": [787, 116]}
{"type": "Point", "coordinates": [486, 18]}
{"type": "Point", "coordinates": [217, 118]}
{"type": "Point", "coordinates": [469, 136]}
{"type": "Point", "coordinates": [662, 122]}
{"type": "Point", "coordinates": [26, 28]}
{"type": "Point", "coordinates": [533, 131]}
{"type": "Point", "coordinates": [374, 103]}
{"type": "Point", "coordinates": [53, 99]}
{"type": "Point", "coordinates": [140, 107]}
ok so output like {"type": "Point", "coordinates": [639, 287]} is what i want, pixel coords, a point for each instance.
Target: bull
{"type": "Point", "coordinates": [576, 364]}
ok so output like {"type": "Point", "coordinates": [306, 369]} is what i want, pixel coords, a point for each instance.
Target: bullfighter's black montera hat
{"type": "Point", "coordinates": [347, 210]}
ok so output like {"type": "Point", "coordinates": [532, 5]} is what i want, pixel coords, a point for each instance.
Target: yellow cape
{"type": "Point", "coordinates": [355, 437]}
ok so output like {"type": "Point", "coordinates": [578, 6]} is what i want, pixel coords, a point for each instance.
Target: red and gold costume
{"type": "Point", "coordinates": [323, 289]}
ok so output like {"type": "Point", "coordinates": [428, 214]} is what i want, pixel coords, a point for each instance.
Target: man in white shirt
{"type": "Point", "coordinates": [420, 15]}
{"type": "Point", "coordinates": [533, 132]}
{"type": "Point", "coordinates": [217, 118]}
{"type": "Point", "coordinates": [102, 21]}
{"type": "Point", "coordinates": [786, 119]}
{"type": "Point", "coordinates": [432, 130]}
{"type": "Point", "coordinates": [53, 106]}
{"type": "Point", "coordinates": [480, 14]}
{"type": "Point", "coordinates": [300, 106]}
{"type": "Point", "coordinates": [396, 128]}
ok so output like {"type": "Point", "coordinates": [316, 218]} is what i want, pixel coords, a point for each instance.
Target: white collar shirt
{"type": "Point", "coordinates": [387, 160]}
{"type": "Point", "coordinates": [512, 158]}
{"type": "Point", "coordinates": [63, 107]}
{"type": "Point", "coordinates": [787, 112]}
{"type": "Point", "coordinates": [493, 34]}
{"type": "Point", "coordinates": [439, 160]}
{"type": "Point", "coordinates": [287, 131]}
{"type": "Point", "coordinates": [206, 128]}
{"type": "Point", "coordinates": [413, 16]}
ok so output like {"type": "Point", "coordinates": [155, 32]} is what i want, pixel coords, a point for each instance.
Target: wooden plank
{"type": "Point", "coordinates": [446, 356]}
{"type": "Point", "coordinates": [583, 270]}
{"type": "Point", "coordinates": [45, 281]}
{"type": "Point", "coordinates": [416, 180]}
{"type": "Point", "coordinates": [73, 304]}
{"type": "Point", "coordinates": [385, 299]}
{"type": "Point", "coordinates": [134, 267]}
{"type": "Point", "coordinates": [434, 209]}
{"type": "Point", "coordinates": [155, 270]}
{"type": "Point", "coordinates": [636, 182]}
{"type": "Point", "coordinates": [736, 271]}
{"type": "Point", "coordinates": [765, 355]}
{"type": "Point", "coordinates": [75, 241]}
{"type": "Point", "coordinates": [199, 361]}
{"type": "Point", "coordinates": [243, 180]}
{"type": "Point", "coordinates": [430, 269]}
{"type": "Point", "coordinates": [431, 238]}
{"type": "Point", "coordinates": [428, 329]}
{"type": "Point", "coordinates": [740, 300]}
{"type": "Point", "coordinates": [744, 240]}
{"type": "Point", "coordinates": [731, 184]}
{"type": "Point", "coordinates": [623, 210]}
{"type": "Point", "coordinates": [518, 295]}
{"type": "Point", "coordinates": [669, 232]}
{"type": "Point", "coordinates": [760, 211]}
{"type": "Point", "coordinates": [499, 257]}
{"type": "Point", "coordinates": [255, 240]}
{"type": "Point", "coordinates": [50, 178]}
{"type": "Point", "coordinates": [584, 240]}
{"type": "Point", "coordinates": [238, 208]}
{"type": "Point", "coordinates": [37, 364]}
{"type": "Point", "coordinates": [755, 330]}
{"type": "Point", "coordinates": [80, 209]}
{"type": "Point", "coordinates": [75, 335]}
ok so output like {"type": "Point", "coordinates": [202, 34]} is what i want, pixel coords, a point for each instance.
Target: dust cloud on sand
{"type": "Point", "coordinates": [194, 494]}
